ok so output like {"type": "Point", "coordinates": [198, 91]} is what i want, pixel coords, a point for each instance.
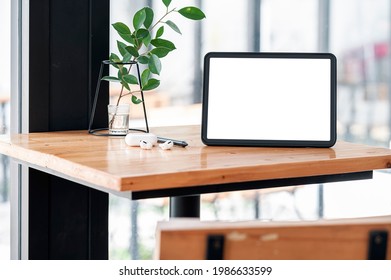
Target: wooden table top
{"type": "Point", "coordinates": [109, 163]}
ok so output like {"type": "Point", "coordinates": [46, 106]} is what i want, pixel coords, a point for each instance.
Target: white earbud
{"type": "Point", "coordinates": [145, 145]}
{"type": "Point", "coordinates": [166, 145]}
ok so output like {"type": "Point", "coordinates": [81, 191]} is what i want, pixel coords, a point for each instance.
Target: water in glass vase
{"type": "Point", "coordinates": [118, 119]}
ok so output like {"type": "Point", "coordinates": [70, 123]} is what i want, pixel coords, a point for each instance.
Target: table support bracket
{"type": "Point", "coordinates": [253, 185]}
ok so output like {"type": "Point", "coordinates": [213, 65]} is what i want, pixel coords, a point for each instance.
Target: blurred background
{"type": "Point", "coordinates": [356, 31]}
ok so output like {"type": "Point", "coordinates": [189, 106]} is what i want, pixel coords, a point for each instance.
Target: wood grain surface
{"type": "Point", "coordinates": [108, 162]}
{"type": "Point", "coordinates": [344, 239]}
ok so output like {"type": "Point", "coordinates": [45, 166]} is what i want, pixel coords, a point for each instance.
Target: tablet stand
{"type": "Point", "coordinates": [99, 131]}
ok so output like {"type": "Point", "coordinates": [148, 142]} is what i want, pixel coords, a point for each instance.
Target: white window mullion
{"type": "Point", "coordinates": [19, 124]}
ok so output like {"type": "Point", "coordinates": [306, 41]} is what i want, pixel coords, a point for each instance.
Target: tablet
{"type": "Point", "coordinates": [269, 99]}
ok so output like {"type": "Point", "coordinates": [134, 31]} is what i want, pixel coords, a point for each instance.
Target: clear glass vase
{"type": "Point", "coordinates": [118, 119]}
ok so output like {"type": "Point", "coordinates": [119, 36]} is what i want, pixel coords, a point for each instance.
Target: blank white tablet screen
{"type": "Point", "coordinates": [269, 99]}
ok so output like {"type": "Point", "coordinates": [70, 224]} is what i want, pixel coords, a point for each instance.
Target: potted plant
{"type": "Point", "coordinates": [144, 44]}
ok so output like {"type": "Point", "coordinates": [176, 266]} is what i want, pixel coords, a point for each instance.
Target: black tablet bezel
{"type": "Point", "coordinates": [270, 142]}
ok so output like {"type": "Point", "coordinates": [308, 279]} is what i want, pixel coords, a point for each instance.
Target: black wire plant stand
{"type": "Point", "coordinates": [103, 131]}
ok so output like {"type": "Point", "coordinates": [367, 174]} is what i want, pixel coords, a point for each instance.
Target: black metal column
{"type": "Point", "coordinates": [68, 40]}
{"type": "Point", "coordinates": [185, 206]}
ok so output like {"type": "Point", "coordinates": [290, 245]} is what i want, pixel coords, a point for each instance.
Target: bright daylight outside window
{"type": "Point", "coordinates": [358, 34]}
{"type": "Point", "coordinates": [356, 31]}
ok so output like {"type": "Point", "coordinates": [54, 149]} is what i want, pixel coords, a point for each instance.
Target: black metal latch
{"type": "Point", "coordinates": [377, 249]}
{"type": "Point", "coordinates": [215, 247]}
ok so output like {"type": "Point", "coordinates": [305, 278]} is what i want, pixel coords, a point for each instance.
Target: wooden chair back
{"type": "Point", "coordinates": [364, 238]}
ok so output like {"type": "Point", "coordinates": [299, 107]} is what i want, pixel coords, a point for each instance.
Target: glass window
{"type": "Point", "coordinates": [357, 32]}
{"type": "Point", "coordinates": [5, 81]}
{"type": "Point", "coordinates": [289, 26]}
{"type": "Point", "coordinates": [360, 39]}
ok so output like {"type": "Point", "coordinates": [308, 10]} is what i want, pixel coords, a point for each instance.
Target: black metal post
{"type": "Point", "coordinates": [185, 206]}
{"type": "Point", "coordinates": [66, 220]}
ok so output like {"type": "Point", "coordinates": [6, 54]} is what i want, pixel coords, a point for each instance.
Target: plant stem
{"type": "Point", "coordinates": [131, 93]}
{"type": "Point", "coordinates": [122, 88]}
{"type": "Point", "coordinates": [120, 95]}
{"type": "Point", "coordinates": [118, 100]}
{"type": "Point", "coordinates": [160, 20]}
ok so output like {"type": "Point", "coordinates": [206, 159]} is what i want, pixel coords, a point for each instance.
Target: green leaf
{"type": "Point", "coordinates": [163, 43]}
{"type": "Point", "coordinates": [154, 64]}
{"type": "Point", "coordinates": [173, 26]}
{"type": "Point", "coordinates": [125, 85]}
{"type": "Point", "coordinates": [127, 57]}
{"type": "Point", "coordinates": [143, 59]}
{"type": "Point", "coordinates": [167, 3]}
{"type": "Point", "coordinates": [147, 40]}
{"type": "Point", "coordinates": [127, 37]}
{"type": "Point", "coordinates": [114, 58]}
{"type": "Point", "coordinates": [151, 84]}
{"type": "Point", "coordinates": [136, 100]}
{"type": "Point", "coordinates": [110, 79]}
{"type": "Point", "coordinates": [160, 32]}
{"type": "Point", "coordinates": [130, 79]}
{"type": "Point", "coordinates": [139, 18]}
{"type": "Point", "coordinates": [160, 51]}
{"type": "Point", "coordinates": [142, 33]}
{"type": "Point", "coordinates": [132, 50]}
{"type": "Point", "coordinates": [123, 31]}
{"type": "Point", "coordinates": [145, 77]}
{"type": "Point", "coordinates": [192, 13]}
{"type": "Point", "coordinates": [122, 72]}
{"type": "Point", "coordinates": [121, 47]}
{"type": "Point", "coordinates": [121, 28]}
{"type": "Point", "coordinates": [148, 17]}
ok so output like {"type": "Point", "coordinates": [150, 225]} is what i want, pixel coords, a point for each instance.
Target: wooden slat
{"type": "Point", "coordinates": [319, 240]}
{"type": "Point", "coordinates": [108, 162]}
